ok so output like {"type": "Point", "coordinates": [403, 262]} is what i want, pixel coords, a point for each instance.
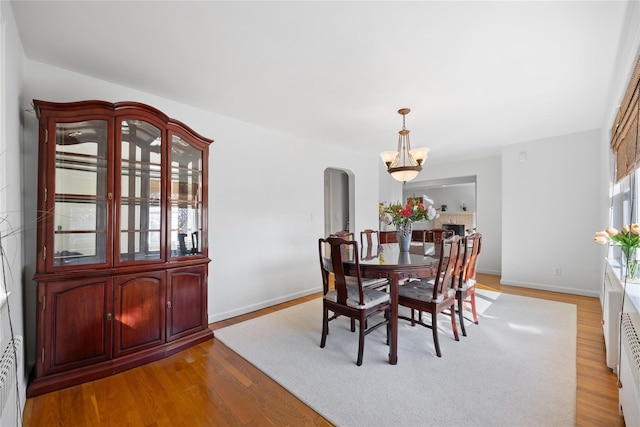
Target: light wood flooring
{"type": "Point", "coordinates": [210, 385]}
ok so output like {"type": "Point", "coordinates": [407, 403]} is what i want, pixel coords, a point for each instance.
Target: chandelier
{"type": "Point", "coordinates": [405, 163]}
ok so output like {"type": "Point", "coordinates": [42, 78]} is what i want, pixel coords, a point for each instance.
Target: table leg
{"type": "Point", "coordinates": [393, 339]}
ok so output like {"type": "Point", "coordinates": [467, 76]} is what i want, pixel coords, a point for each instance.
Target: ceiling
{"type": "Point", "coordinates": [477, 75]}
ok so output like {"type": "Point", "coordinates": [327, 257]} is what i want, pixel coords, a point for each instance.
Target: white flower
{"type": "Point", "coordinates": [601, 237]}
{"type": "Point", "coordinates": [431, 213]}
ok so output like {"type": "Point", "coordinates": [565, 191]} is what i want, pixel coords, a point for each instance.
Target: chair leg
{"type": "Point", "coordinates": [353, 325]}
{"type": "Point", "coordinates": [413, 313]}
{"type": "Point", "coordinates": [325, 327]}
{"type": "Point", "coordinates": [361, 341]}
{"type": "Point", "coordinates": [453, 321]}
{"type": "Point", "coordinates": [387, 316]}
{"type": "Point", "coordinates": [461, 315]}
{"type": "Point", "coordinates": [473, 306]}
{"type": "Point", "coordinates": [434, 331]}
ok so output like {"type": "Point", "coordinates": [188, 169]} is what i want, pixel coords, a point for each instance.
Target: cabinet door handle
{"type": "Point", "coordinates": [168, 304]}
{"type": "Point", "coordinates": [109, 316]}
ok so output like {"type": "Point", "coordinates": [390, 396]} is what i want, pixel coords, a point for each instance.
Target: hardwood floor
{"type": "Point", "coordinates": [210, 385]}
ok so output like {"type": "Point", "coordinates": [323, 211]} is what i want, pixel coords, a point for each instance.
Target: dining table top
{"type": "Point", "coordinates": [389, 254]}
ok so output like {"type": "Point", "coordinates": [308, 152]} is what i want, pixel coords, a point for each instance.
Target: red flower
{"type": "Point", "coordinates": [406, 214]}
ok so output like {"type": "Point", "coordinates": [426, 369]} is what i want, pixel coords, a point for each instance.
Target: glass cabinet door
{"type": "Point", "coordinates": [80, 202]}
{"type": "Point", "coordinates": [186, 198]}
{"type": "Point", "coordinates": [140, 215]}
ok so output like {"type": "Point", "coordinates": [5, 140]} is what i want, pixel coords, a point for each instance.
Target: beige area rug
{"type": "Point", "coordinates": [516, 368]}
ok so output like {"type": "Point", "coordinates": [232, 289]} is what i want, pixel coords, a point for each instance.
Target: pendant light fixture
{"type": "Point", "coordinates": [405, 163]}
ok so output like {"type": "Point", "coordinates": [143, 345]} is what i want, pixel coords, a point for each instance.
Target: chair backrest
{"type": "Point", "coordinates": [332, 251]}
{"type": "Point", "coordinates": [456, 228]}
{"type": "Point", "coordinates": [419, 236]}
{"type": "Point", "coordinates": [437, 235]}
{"type": "Point", "coordinates": [450, 253]}
{"type": "Point", "coordinates": [469, 260]}
{"type": "Point", "coordinates": [370, 248]}
{"type": "Point", "coordinates": [345, 234]}
{"type": "Point", "coordinates": [369, 233]}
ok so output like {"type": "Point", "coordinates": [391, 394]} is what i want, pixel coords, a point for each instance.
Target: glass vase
{"type": "Point", "coordinates": [631, 264]}
{"type": "Point", "coordinates": [403, 232]}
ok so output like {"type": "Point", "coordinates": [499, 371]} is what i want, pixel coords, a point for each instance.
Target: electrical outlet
{"type": "Point", "coordinates": [557, 271]}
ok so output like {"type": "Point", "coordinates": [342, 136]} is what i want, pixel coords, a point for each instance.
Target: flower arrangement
{"type": "Point", "coordinates": [404, 215]}
{"type": "Point", "coordinates": [628, 239]}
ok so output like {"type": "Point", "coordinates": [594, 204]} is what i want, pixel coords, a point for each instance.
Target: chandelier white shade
{"type": "Point", "coordinates": [405, 163]}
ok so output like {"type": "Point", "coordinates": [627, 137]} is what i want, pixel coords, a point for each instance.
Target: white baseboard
{"type": "Point", "coordinates": [494, 272]}
{"type": "Point", "coordinates": [260, 305]}
{"type": "Point", "coordinates": [544, 287]}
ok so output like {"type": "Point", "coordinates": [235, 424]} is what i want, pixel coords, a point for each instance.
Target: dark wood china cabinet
{"type": "Point", "coordinates": [122, 240]}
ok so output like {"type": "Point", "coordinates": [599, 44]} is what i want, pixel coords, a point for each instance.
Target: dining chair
{"type": "Point", "coordinates": [466, 289]}
{"type": "Point", "coordinates": [369, 234]}
{"type": "Point", "coordinates": [434, 236]}
{"type": "Point", "coordinates": [421, 236]}
{"type": "Point", "coordinates": [345, 234]}
{"type": "Point", "coordinates": [351, 300]}
{"type": "Point", "coordinates": [370, 249]}
{"type": "Point", "coordinates": [436, 294]}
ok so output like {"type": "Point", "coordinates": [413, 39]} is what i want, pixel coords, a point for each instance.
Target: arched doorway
{"type": "Point", "coordinates": [338, 200]}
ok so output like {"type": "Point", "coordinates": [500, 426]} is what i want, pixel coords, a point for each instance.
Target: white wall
{"type": "Point", "coordinates": [266, 193]}
{"type": "Point", "coordinates": [11, 225]}
{"type": "Point", "coordinates": [550, 212]}
{"type": "Point", "coordinates": [453, 196]}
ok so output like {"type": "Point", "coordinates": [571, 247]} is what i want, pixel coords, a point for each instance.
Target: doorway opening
{"type": "Point", "coordinates": [454, 198]}
{"type": "Point", "coordinates": [338, 200]}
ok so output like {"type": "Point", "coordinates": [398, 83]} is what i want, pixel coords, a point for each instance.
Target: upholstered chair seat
{"type": "Point", "coordinates": [423, 291]}
{"type": "Point", "coordinates": [372, 297]}
{"type": "Point", "coordinates": [367, 283]}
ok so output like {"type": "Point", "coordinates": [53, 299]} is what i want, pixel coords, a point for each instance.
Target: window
{"type": "Point", "coordinates": [625, 145]}
{"type": "Point", "coordinates": [625, 207]}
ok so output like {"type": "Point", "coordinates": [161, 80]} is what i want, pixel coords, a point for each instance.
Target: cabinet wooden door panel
{"type": "Point", "coordinates": [78, 321]}
{"type": "Point", "coordinates": [139, 312]}
{"type": "Point", "coordinates": [186, 307]}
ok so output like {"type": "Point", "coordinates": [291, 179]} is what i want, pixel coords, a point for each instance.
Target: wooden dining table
{"type": "Point", "coordinates": [396, 266]}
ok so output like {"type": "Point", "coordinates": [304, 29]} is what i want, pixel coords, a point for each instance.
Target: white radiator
{"type": "Point", "coordinates": [10, 366]}
{"type": "Point", "coordinates": [611, 307]}
{"type": "Point", "coordinates": [629, 393]}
